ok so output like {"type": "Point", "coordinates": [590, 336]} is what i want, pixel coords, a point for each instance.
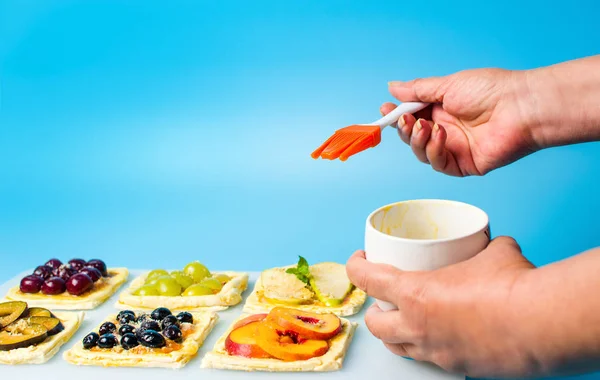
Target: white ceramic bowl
{"type": "Point", "coordinates": [425, 234]}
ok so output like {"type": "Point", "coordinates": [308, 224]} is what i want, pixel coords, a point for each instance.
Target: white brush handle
{"type": "Point", "coordinates": [392, 117]}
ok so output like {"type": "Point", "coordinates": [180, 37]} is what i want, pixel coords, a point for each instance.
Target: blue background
{"type": "Point", "coordinates": [152, 133]}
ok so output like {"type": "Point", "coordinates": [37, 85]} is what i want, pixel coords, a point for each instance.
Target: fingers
{"type": "Point", "coordinates": [435, 148]}
{"type": "Point", "coordinates": [388, 326]}
{"type": "Point", "coordinates": [377, 280]}
{"type": "Point", "coordinates": [427, 90]}
{"type": "Point", "coordinates": [419, 139]}
{"type": "Point", "coordinates": [405, 127]}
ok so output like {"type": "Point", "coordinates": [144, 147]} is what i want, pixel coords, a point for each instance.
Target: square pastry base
{"type": "Point", "coordinates": [44, 351]}
{"type": "Point", "coordinates": [353, 303]}
{"type": "Point", "coordinates": [230, 295]}
{"type": "Point", "coordinates": [90, 300]}
{"type": "Point", "coordinates": [332, 361]}
{"type": "Point", "coordinates": [203, 324]}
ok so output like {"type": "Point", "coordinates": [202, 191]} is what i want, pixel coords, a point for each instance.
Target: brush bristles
{"type": "Point", "coordinates": [348, 141]}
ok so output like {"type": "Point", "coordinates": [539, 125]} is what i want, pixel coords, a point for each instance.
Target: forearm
{"type": "Point", "coordinates": [565, 102]}
{"type": "Point", "coordinates": [556, 312]}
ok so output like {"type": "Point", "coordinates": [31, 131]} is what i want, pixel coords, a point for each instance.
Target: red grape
{"type": "Point", "coordinates": [94, 273]}
{"type": "Point", "coordinates": [65, 272]}
{"type": "Point", "coordinates": [43, 271]}
{"type": "Point", "coordinates": [79, 284]}
{"type": "Point", "coordinates": [53, 286]}
{"type": "Point", "coordinates": [98, 264]}
{"type": "Point", "coordinates": [54, 263]}
{"type": "Point", "coordinates": [77, 264]}
{"type": "Point", "coordinates": [31, 284]}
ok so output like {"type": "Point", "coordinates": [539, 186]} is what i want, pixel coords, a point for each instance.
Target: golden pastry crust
{"type": "Point", "coordinates": [44, 351]}
{"type": "Point", "coordinates": [256, 303]}
{"type": "Point", "coordinates": [331, 361]}
{"type": "Point", "coordinates": [230, 294]}
{"type": "Point", "coordinates": [103, 290]}
{"type": "Point", "coordinates": [203, 324]}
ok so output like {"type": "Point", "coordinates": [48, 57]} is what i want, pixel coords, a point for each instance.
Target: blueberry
{"type": "Point", "coordinates": [160, 313]}
{"type": "Point", "coordinates": [169, 320]}
{"type": "Point", "coordinates": [152, 339]}
{"type": "Point", "coordinates": [128, 341]}
{"type": "Point", "coordinates": [125, 317]}
{"type": "Point", "coordinates": [150, 325]}
{"type": "Point", "coordinates": [185, 317]}
{"type": "Point", "coordinates": [107, 341]}
{"type": "Point", "coordinates": [142, 318]}
{"type": "Point", "coordinates": [90, 340]}
{"type": "Point", "coordinates": [107, 328]}
{"type": "Point", "coordinates": [174, 333]}
{"type": "Point", "coordinates": [126, 329]}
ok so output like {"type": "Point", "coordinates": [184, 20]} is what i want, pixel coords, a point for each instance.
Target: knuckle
{"type": "Point", "coordinates": [507, 240]}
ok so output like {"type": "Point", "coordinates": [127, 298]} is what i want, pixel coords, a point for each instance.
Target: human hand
{"type": "Point", "coordinates": [458, 317]}
{"type": "Point", "coordinates": [479, 121]}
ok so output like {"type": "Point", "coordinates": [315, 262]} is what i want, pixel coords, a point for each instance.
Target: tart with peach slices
{"type": "Point", "coordinates": [283, 340]}
{"type": "Point", "coordinates": [33, 335]}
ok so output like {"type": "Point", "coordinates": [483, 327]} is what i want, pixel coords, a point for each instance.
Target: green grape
{"type": "Point", "coordinates": [146, 290]}
{"type": "Point", "coordinates": [197, 290]}
{"type": "Point", "coordinates": [154, 281]}
{"type": "Point", "coordinates": [223, 278]}
{"type": "Point", "coordinates": [167, 286]}
{"type": "Point", "coordinates": [212, 283]}
{"type": "Point", "coordinates": [196, 271]}
{"type": "Point", "coordinates": [155, 274]}
{"type": "Point", "coordinates": [176, 272]}
{"type": "Point", "coordinates": [183, 280]}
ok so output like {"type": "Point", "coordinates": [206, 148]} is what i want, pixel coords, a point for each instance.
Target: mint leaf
{"type": "Point", "coordinates": [301, 270]}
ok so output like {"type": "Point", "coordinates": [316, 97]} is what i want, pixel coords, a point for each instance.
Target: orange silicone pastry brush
{"type": "Point", "coordinates": [354, 139]}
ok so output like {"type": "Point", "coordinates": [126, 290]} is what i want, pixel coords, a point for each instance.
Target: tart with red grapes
{"type": "Point", "coordinates": [75, 285]}
{"type": "Point", "coordinates": [161, 338]}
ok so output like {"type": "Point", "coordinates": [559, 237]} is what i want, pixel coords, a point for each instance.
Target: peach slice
{"type": "Point", "coordinates": [242, 341]}
{"type": "Point", "coordinates": [308, 325]}
{"type": "Point", "coordinates": [249, 319]}
{"type": "Point", "coordinates": [288, 345]}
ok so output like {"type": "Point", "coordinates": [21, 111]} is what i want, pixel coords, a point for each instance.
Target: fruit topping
{"type": "Point", "coordinates": [242, 341]}
{"type": "Point", "coordinates": [53, 286]}
{"type": "Point", "coordinates": [250, 319]}
{"type": "Point", "coordinates": [107, 341]}
{"type": "Point", "coordinates": [169, 321]}
{"type": "Point", "coordinates": [197, 290]}
{"type": "Point", "coordinates": [126, 316]}
{"type": "Point", "coordinates": [39, 312]}
{"type": "Point", "coordinates": [65, 272]}
{"type": "Point", "coordinates": [79, 284]}
{"type": "Point", "coordinates": [309, 325]}
{"type": "Point", "coordinates": [149, 325]}
{"type": "Point", "coordinates": [168, 286]}
{"type": "Point", "coordinates": [185, 317]}
{"type": "Point", "coordinates": [107, 328]}
{"type": "Point", "coordinates": [183, 280]}
{"type": "Point", "coordinates": [31, 284]}
{"type": "Point", "coordinates": [174, 333]}
{"type": "Point", "coordinates": [11, 311]}
{"type": "Point", "coordinates": [213, 284]}
{"type": "Point", "coordinates": [129, 341]}
{"type": "Point", "coordinates": [90, 340]}
{"type": "Point", "coordinates": [23, 335]}
{"type": "Point", "coordinates": [43, 271]}
{"type": "Point", "coordinates": [160, 313]}
{"type": "Point", "coordinates": [280, 286]}
{"type": "Point", "coordinates": [330, 283]}
{"type": "Point", "coordinates": [146, 290]}
{"type": "Point", "coordinates": [98, 264]}
{"type": "Point", "coordinates": [288, 345]}
{"type": "Point", "coordinates": [196, 271]}
{"type": "Point", "coordinates": [142, 317]}
{"type": "Point", "coordinates": [92, 272]}
{"type": "Point", "coordinates": [53, 325]}
{"type": "Point", "coordinates": [223, 278]}
{"type": "Point", "coordinates": [77, 264]}
{"type": "Point", "coordinates": [126, 329]}
{"type": "Point", "coordinates": [54, 263]}
{"type": "Point", "coordinates": [152, 339]}
{"type": "Point", "coordinates": [156, 274]}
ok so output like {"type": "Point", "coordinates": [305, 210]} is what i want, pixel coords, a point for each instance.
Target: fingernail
{"type": "Point", "coordinates": [418, 125]}
{"type": "Point", "coordinates": [435, 128]}
{"type": "Point", "coordinates": [395, 83]}
{"type": "Point", "coordinates": [402, 120]}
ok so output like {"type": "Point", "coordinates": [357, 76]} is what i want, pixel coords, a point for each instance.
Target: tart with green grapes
{"type": "Point", "coordinates": [160, 338]}
{"type": "Point", "coordinates": [194, 288]}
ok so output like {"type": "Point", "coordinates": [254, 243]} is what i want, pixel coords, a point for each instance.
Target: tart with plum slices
{"type": "Point", "coordinates": [284, 340]}
{"type": "Point", "coordinates": [33, 335]}
{"type": "Point", "coordinates": [319, 288]}
{"type": "Point", "coordinates": [75, 285]}
{"type": "Point", "coordinates": [194, 288]}
{"type": "Point", "coordinates": [158, 339]}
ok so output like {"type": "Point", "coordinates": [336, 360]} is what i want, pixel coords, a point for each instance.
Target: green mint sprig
{"type": "Point", "coordinates": [301, 270]}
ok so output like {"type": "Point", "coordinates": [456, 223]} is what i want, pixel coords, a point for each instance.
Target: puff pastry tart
{"type": "Point", "coordinates": [33, 335]}
{"type": "Point", "coordinates": [194, 288]}
{"type": "Point", "coordinates": [159, 339]}
{"type": "Point", "coordinates": [76, 285]}
{"type": "Point", "coordinates": [284, 340]}
{"type": "Point", "coordinates": [320, 288]}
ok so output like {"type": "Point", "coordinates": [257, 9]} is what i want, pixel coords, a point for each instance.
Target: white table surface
{"type": "Point", "coordinates": [366, 358]}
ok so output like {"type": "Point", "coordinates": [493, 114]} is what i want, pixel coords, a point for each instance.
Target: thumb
{"type": "Point", "coordinates": [426, 90]}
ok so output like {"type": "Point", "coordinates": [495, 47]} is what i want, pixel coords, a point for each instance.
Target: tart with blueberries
{"type": "Point", "coordinates": [321, 288]}
{"type": "Point", "coordinates": [158, 339]}
{"type": "Point", "coordinates": [194, 288]}
{"type": "Point", "coordinates": [283, 340]}
{"type": "Point", "coordinates": [33, 335]}
{"type": "Point", "coordinates": [75, 285]}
